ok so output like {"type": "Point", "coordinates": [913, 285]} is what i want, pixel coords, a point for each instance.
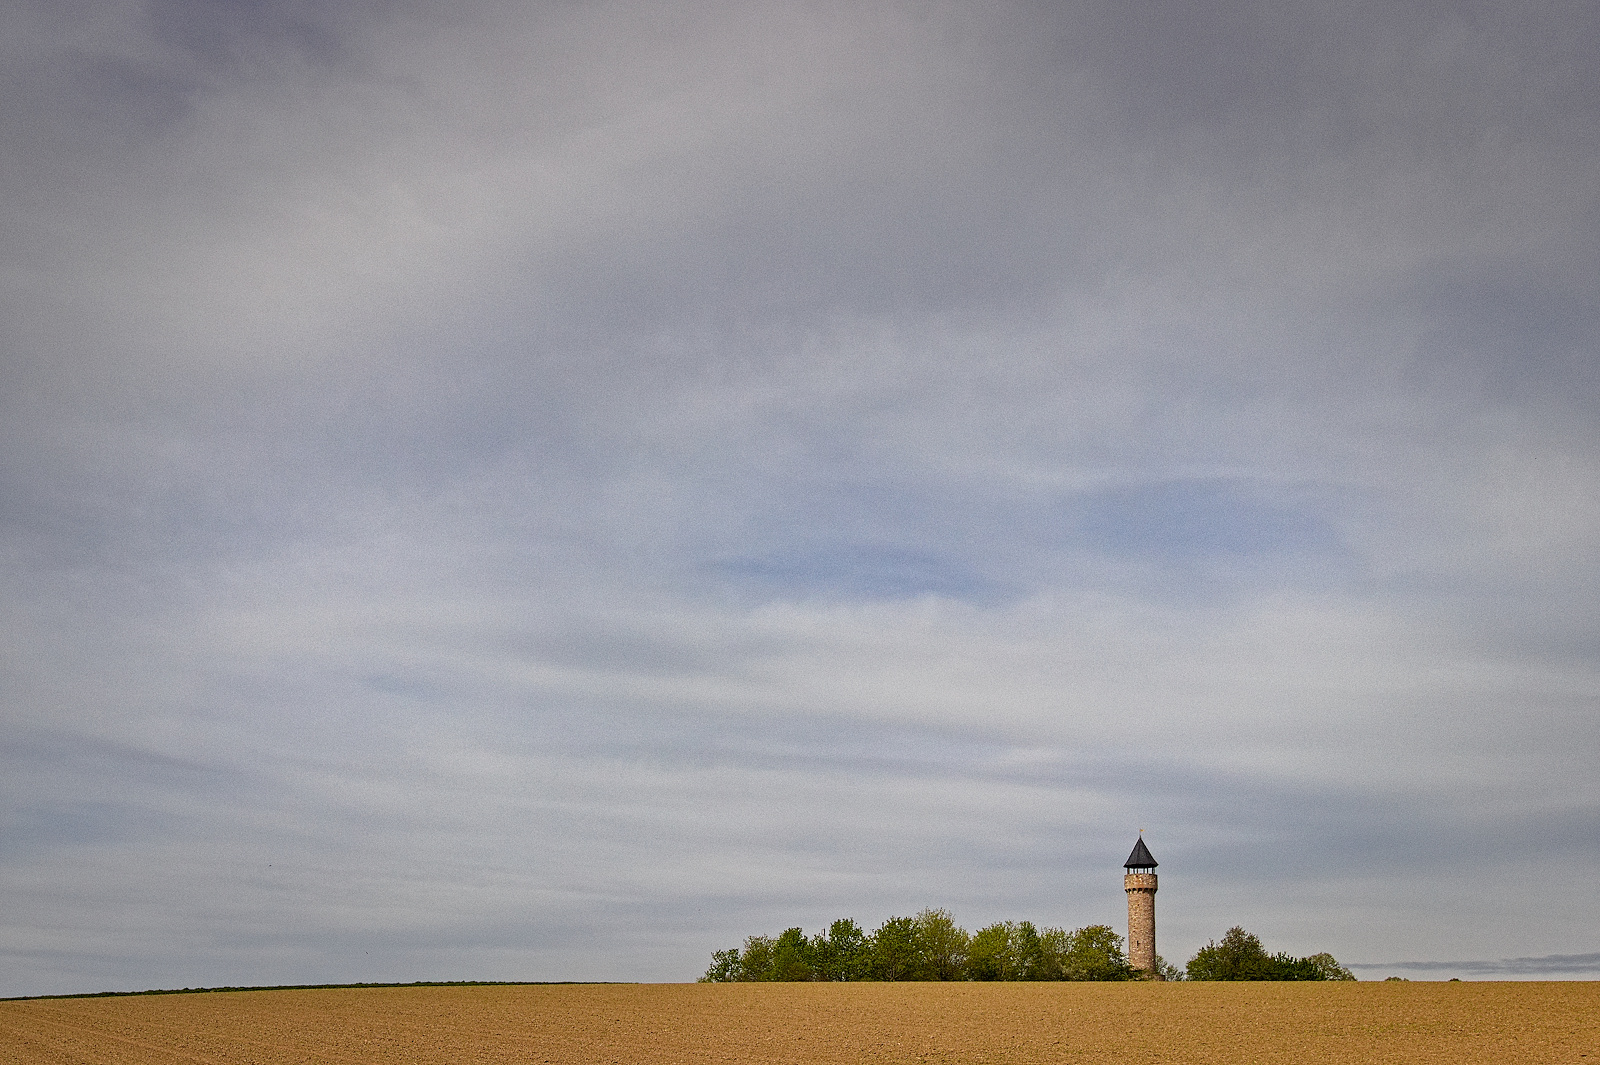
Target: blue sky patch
{"type": "Point", "coordinates": [1191, 520]}
{"type": "Point", "coordinates": [862, 571]}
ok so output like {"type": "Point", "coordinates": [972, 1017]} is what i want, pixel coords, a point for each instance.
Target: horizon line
{"type": "Point", "coordinates": [1548, 963]}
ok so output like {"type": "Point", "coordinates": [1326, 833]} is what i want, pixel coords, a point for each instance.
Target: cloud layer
{"type": "Point", "coordinates": [1553, 965]}
{"type": "Point", "coordinates": [544, 491]}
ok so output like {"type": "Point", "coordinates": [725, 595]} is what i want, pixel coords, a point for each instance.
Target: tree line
{"type": "Point", "coordinates": [1240, 956]}
{"type": "Point", "coordinates": [931, 946]}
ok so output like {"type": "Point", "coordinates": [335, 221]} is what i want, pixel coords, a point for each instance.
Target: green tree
{"type": "Point", "coordinates": [894, 954]}
{"type": "Point", "coordinates": [1094, 953]}
{"type": "Point", "coordinates": [989, 954]}
{"type": "Point", "coordinates": [842, 953]}
{"type": "Point", "coordinates": [724, 967]}
{"type": "Point", "coordinates": [1010, 950]}
{"type": "Point", "coordinates": [940, 946]}
{"type": "Point", "coordinates": [1329, 968]}
{"type": "Point", "coordinates": [1288, 967]}
{"type": "Point", "coordinates": [755, 962]}
{"type": "Point", "coordinates": [1055, 944]}
{"type": "Point", "coordinates": [1240, 956]}
{"type": "Point", "coordinates": [791, 957]}
{"type": "Point", "coordinates": [1027, 952]}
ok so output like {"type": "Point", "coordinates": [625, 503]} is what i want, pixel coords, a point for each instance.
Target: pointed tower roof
{"type": "Point", "coordinates": [1140, 858]}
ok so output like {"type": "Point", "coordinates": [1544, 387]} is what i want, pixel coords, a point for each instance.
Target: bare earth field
{"type": "Point", "coordinates": [1554, 1022]}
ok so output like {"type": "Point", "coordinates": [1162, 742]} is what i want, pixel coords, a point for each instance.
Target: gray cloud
{"type": "Point", "coordinates": [546, 491]}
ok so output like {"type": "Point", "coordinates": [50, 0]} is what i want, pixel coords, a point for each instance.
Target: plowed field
{"type": "Point", "coordinates": [823, 1023]}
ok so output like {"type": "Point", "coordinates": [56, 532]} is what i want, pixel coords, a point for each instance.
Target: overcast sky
{"type": "Point", "coordinates": [546, 490]}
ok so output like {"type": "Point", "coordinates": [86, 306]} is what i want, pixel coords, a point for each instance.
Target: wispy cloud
{"type": "Point", "coordinates": [547, 490]}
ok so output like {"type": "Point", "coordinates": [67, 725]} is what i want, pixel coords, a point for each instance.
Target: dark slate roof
{"type": "Point", "coordinates": [1140, 858]}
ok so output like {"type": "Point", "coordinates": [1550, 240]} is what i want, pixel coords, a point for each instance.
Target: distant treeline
{"type": "Point", "coordinates": [1240, 956]}
{"type": "Point", "coordinates": [303, 987]}
{"type": "Point", "coordinates": [931, 946]}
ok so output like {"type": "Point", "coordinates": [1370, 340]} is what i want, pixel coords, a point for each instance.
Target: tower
{"type": "Point", "coordinates": [1140, 884]}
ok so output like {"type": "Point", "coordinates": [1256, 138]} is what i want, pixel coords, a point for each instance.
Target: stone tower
{"type": "Point", "coordinates": [1140, 884]}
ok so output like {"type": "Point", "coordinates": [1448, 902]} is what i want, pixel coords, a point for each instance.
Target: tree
{"type": "Point", "coordinates": [940, 946]}
{"type": "Point", "coordinates": [843, 953]}
{"type": "Point", "coordinates": [894, 954]}
{"type": "Point", "coordinates": [1015, 950]}
{"type": "Point", "coordinates": [1328, 968]}
{"type": "Point", "coordinates": [1288, 967]}
{"type": "Point", "coordinates": [1094, 953]}
{"type": "Point", "coordinates": [989, 953]}
{"type": "Point", "coordinates": [724, 967]}
{"type": "Point", "coordinates": [755, 962]}
{"type": "Point", "coordinates": [791, 957]}
{"type": "Point", "coordinates": [1027, 952]}
{"type": "Point", "coordinates": [1055, 947]}
{"type": "Point", "coordinates": [1240, 956]}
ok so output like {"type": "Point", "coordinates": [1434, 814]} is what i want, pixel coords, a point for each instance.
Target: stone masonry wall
{"type": "Point", "coordinates": [1141, 888]}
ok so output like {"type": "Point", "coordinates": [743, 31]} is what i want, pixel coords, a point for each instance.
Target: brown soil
{"type": "Point", "coordinates": [824, 1023]}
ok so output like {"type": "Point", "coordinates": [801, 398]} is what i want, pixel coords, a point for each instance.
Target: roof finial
{"type": "Point", "coordinates": [1141, 857]}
